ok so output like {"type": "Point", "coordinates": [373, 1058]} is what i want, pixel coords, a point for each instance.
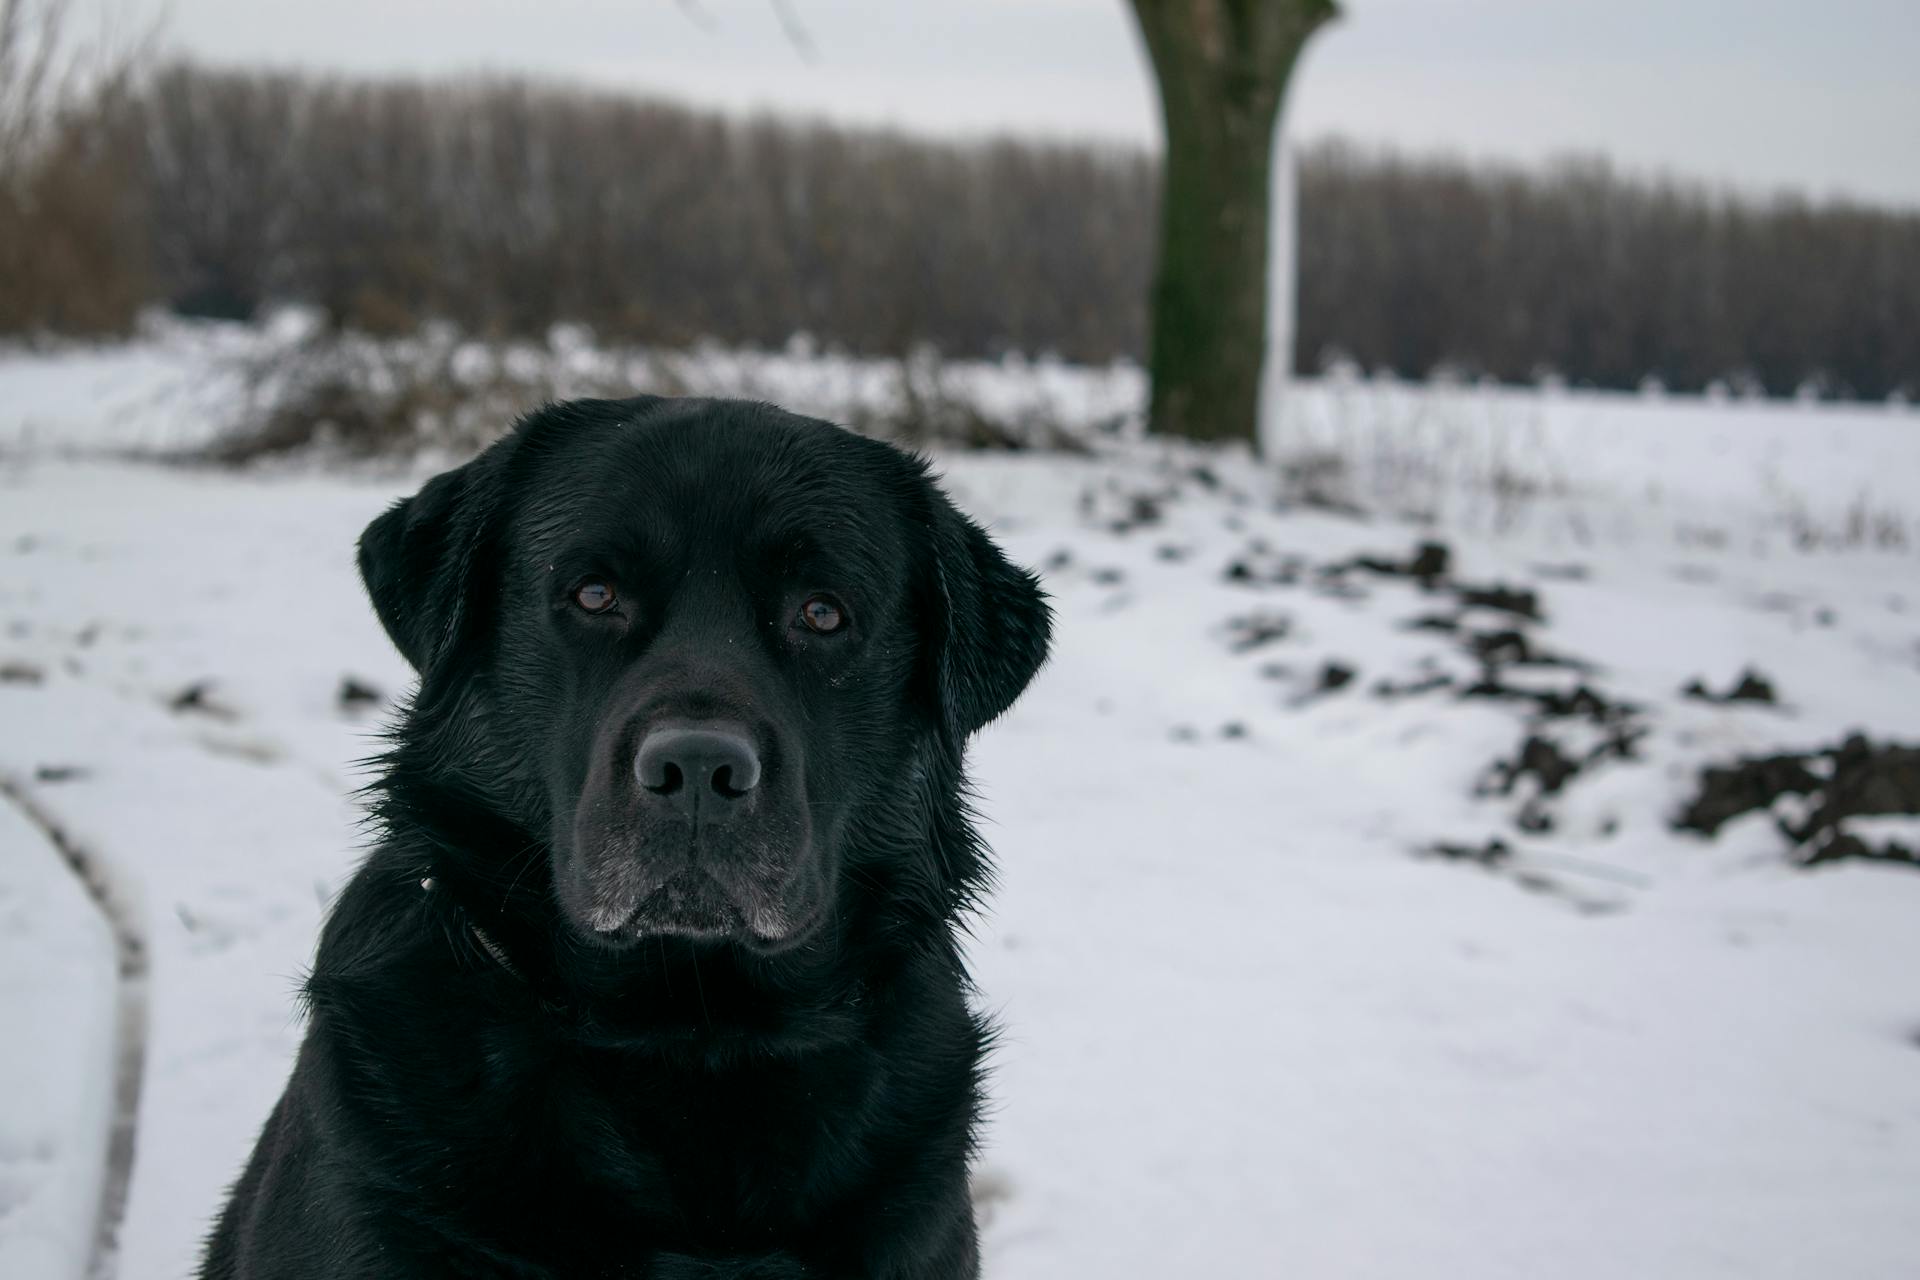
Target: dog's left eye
{"type": "Point", "coordinates": [594, 596]}
{"type": "Point", "coordinates": [823, 615]}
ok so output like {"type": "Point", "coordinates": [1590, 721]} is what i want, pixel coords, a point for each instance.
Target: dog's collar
{"type": "Point", "coordinates": [481, 936]}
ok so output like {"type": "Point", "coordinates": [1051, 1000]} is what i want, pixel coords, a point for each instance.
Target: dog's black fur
{"type": "Point", "coordinates": [604, 1037]}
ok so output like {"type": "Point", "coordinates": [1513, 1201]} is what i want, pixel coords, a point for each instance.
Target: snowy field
{"type": "Point", "coordinates": [1255, 1025]}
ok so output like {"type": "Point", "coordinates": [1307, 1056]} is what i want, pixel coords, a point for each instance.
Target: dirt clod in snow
{"type": "Point", "coordinates": [1580, 702]}
{"type": "Point", "coordinates": [1255, 630]}
{"type": "Point", "coordinates": [1541, 759]}
{"type": "Point", "coordinates": [1121, 510]}
{"type": "Point", "coordinates": [1389, 689]}
{"type": "Point", "coordinates": [1551, 763]}
{"type": "Point", "coordinates": [1727, 791]}
{"type": "Point", "coordinates": [1520, 601]}
{"type": "Point", "coordinates": [1835, 843]}
{"type": "Point", "coordinates": [1752, 687]}
{"type": "Point", "coordinates": [1428, 565]}
{"type": "Point", "coordinates": [1260, 566]}
{"type": "Point", "coordinates": [356, 694]}
{"type": "Point", "coordinates": [1510, 647]}
{"type": "Point", "coordinates": [1334, 675]}
{"type": "Point", "coordinates": [1494, 853]}
{"type": "Point", "coordinates": [197, 699]}
{"type": "Point", "coordinates": [1855, 779]}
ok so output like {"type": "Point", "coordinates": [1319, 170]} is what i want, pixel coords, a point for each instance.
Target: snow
{"type": "Point", "coordinates": [1903, 830]}
{"type": "Point", "coordinates": [56, 1077]}
{"type": "Point", "coordinates": [1250, 1027]}
{"type": "Point", "coordinates": [229, 829]}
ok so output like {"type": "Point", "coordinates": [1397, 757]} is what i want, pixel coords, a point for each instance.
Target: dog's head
{"type": "Point", "coordinates": [702, 652]}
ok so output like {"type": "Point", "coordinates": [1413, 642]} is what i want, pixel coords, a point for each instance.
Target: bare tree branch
{"type": "Point", "coordinates": [698, 15]}
{"type": "Point", "coordinates": [791, 25]}
{"type": "Point", "coordinates": [797, 34]}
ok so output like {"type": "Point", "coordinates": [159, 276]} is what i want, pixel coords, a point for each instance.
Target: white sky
{"type": "Point", "coordinates": [1821, 96]}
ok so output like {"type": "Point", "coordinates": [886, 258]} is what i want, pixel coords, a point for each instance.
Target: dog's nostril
{"type": "Point", "coordinates": [684, 761]}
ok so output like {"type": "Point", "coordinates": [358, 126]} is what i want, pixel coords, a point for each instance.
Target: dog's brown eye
{"type": "Point", "coordinates": [822, 615]}
{"type": "Point", "coordinates": [594, 597]}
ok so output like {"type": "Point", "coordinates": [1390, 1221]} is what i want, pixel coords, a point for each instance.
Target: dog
{"type": "Point", "coordinates": [654, 968]}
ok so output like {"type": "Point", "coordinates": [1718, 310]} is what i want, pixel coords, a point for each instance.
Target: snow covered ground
{"type": "Point", "coordinates": [58, 991]}
{"type": "Point", "coordinates": [1254, 1026]}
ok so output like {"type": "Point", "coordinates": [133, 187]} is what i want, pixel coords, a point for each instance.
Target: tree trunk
{"type": "Point", "coordinates": [1222, 66]}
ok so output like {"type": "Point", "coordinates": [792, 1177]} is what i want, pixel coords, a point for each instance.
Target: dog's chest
{"type": "Point", "coordinates": [747, 1149]}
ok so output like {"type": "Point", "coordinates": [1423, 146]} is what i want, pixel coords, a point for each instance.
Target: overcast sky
{"type": "Point", "coordinates": [1820, 96]}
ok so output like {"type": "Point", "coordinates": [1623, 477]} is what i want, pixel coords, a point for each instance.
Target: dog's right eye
{"type": "Point", "coordinates": [823, 615]}
{"type": "Point", "coordinates": [594, 596]}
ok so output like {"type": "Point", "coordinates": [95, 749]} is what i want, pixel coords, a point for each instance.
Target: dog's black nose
{"type": "Point", "coordinates": [688, 763]}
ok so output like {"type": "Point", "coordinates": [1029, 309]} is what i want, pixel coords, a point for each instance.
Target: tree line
{"type": "Point", "coordinates": [1576, 272]}
{"type": "Point", "coordinates": [502, 207]}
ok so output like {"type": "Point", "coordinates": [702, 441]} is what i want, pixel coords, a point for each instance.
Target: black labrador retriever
{"type": "Point", "coordinates": [653, 971]}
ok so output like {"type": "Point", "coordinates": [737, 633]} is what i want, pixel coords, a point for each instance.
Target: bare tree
{"type": "Point", "coordinates": [30, 71]}
{"type": "Point", "coordinates": [71, 258]}
{"type": "Point", "coordinates": [1223, 67]}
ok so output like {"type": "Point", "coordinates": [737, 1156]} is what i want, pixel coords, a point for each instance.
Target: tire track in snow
{"type": "Point", "coordinates": [130, 1042]}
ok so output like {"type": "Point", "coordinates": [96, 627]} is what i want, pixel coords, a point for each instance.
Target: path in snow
{"type": "Point", "coordinates": [74, 988]}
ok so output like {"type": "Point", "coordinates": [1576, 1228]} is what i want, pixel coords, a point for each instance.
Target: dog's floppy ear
{"type": "Point", "coordinates": [417, 560]}
{"type": "Point", "coordinates": [990, 633]}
